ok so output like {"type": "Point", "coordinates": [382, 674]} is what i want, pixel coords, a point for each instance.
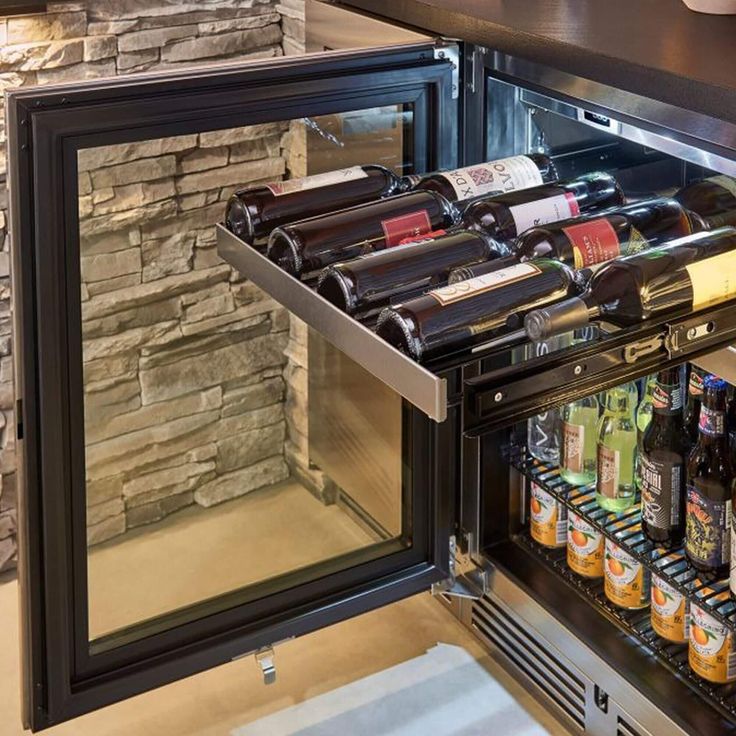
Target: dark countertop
{"type": "Point", "coordinates": [655, 48]}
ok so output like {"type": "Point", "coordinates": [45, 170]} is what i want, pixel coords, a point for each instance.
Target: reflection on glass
{"type": "Point", "coordinates": [226, 445]}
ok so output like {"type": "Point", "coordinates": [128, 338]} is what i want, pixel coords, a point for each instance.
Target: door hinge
{"type": "Point", "coordinates": [265, 659]}
{"type": "Point", "coordinates": [466, 580]}
{"type": "Point", "coordinates": [451, 53]}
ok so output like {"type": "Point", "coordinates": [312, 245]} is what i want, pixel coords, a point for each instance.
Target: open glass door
{"type": "Point", "coordinates": [203, 474]}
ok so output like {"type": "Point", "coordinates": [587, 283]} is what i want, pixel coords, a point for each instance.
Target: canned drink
{"type": "Point", "coordinates": [584, 547]}
{"type": "Point", "coordinates": [627, 583]}
{"type": "Point", "coordinates": [711, 647]}
{"type": "Point", "coordinates": [548, 518]}
{"type": "Point", "coordinates": [670, 611]}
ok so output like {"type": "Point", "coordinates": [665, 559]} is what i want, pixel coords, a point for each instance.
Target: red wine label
{"type": "Point", "coordinates": [486, 282]}
{"type": "Point", "coordinates": [711, 422]}
{"type": "Point", "coordinates": [573, 443]}
{"type": "Point", "coordinates": [410, 226]}
{"type": "Point", "coordinates": [329, 178]}
{"type": "Point", "coordinates": [593, 242]}
{"type": "Point", "coordinates": [695, 384]}
{"type": "Point", "coordinates": [713, 280]}
{"type": "Point", "coordinates": [707, 528]}
{"type": "Point", "coordinates": [661, 491]}
{"type": "Point", "coordinates": [542, 211]}
{"type": "Point", "coordinates": [609, 471]}
{"type": "Point", "coordinates": [666, 399]}
{"type": "Point", "coordinates": [726, 182]}
{"type": "Point", "coordinates": [431, 235]}
{"type": "Point", "coordinates": [494, 177]}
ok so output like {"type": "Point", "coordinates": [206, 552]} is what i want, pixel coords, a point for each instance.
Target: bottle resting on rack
{"type": "Point", "coordinates": [662, 461]}
{"type": "Point", "coordinates": [305, 247]}
{"type": "Point", "coordinates": [709, 479]}
{"type": "Point", "coordinates": [505, 216]}
{"type": "Point", "coordinates": [694, 272]}
{"type": "Point", "coordinates": [369, 283]}
{"type": "Point", "coordinates": [254, 211]}
{"type": "Point", "coordinates": [713, 199]}
{"type": "Point", "coordinates": [695, 389]}
{"type": "Point", "coordinates": [492, 177]}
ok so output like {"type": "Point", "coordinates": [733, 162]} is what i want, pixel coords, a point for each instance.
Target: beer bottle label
{"type": "Point", "coordinates": [711, 422]}
{"type": "Point", "coordinates": [573, 443]}
{"type": "Point", "coordinates": [707, 528]}
{"type": "Point", "coordinates": [329, 178]}
{"type": "Point", "coordinates": [592, 242]}
{"type": "Point", "coordinates": [661, 486]}
{"type": "Point", "coordinates": [667, 399]}
{"type": "Point", "coordinates": [609, 467]}
{"type": "Point", "coordinates": [542, 211]}
{"type": "Point", "coordinates": [695, 384]}
{"type": "Point", "coordinates": [494, 177]}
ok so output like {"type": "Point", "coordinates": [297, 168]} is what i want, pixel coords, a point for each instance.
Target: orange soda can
{"type": "Point", "coordinates": [627, 582]}
{"type": "Point", "coordinates": [584, 547]}
{"type": "Point", "coordinates": [548, 518]}
{"type": "Point", "coordinates": [670, 615]}
{"type": "Point", "coordinates": [711, 646]}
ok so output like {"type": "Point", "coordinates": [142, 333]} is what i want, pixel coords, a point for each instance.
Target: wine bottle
{"type": "Point", "coordinates": [492, 177]}
{"type": "Point", "coordinates": [709, 479]}
{"type": "Point", "coordinates": [694, 400]}
{"type": "Point", "coordinates": [253, 212]}
{"type": "Point", "coordinates": [307, 246]}
{"type": "Point", "coordinates": [593, 238]}
{"type": "Point", "coordinates": [505, 216]}
{"type": "Point", "coordinates": [663, 456]}
{"type": "Point", "coordinates": [713, 199]}
{"type": "Point", "coordinates": [579, 439]}
{"type": "Point", "coordinates": [616, 451]}
{"type": "Point", "coordinates": [692, 272]}
{"type": "Point", "coordinates": [371, 282]}
{"type": "Point", "coordinates": [471, 312]}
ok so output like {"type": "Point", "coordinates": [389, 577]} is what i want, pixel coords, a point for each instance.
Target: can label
{"type": "Point", "coordinates": [609, 471]}
{"type": "Point", "coordinates": [584, 547]}
{"type": "Point", "coordinates": [542, 211]}
{"type": "Point", "coordinates": [494, 177]}
{"type": "Point", "coordinates": [627, 582]}
{"type": "Point", "coordinates": [661, 484]}
{"type": "Point", "coordinates": [592, 242]}
{"type": "Point", "coordinates": [411, 225]}
{"type": "Point", "coordinates": [329, 178]}
{"type": "Point", "coordinates": [707, 528]}
{"type": "Point", "coordinates": [548, 518]}
{"type": "Point", "coordinates": [573, 444]}
{"type": "Point", "coordinates": [710, 652]}
{"type": "Point", "coordinates": [670, 612]}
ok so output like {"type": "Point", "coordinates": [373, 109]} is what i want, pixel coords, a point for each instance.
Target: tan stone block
{"type": "Point", "coordinates": [238, 23]}
{"type": "Point", "coordinates": [250, 316]}
{"type": "Point", "coordinates": [139, 170]}
{"type": "Point", "coordinates": [100, 47]}
{"type": "Point", "coordinates": [105, 530]}
{"type": "Point", "coordinates": [94, 158]}
{"type": "Point", "coordinates": [114, 27]}
{"type": "Point", "coordinates": [84, 183]}
{"type": "Point", "coordinates": [231, 176]}
{"type": "Point", "coordinates": [230, 136]}
{"type": "Point", "coordinates": [159, 334]}
{"type": "Point", "coordinates": [136, 60]}
{"type": "Point", "coordinates": [165, 479]}
{"type": "Point", "coordinates": [241, 399]}
{"type": "Point", "coordinates": [110, 285]}
{"type": "Point", "coordinates": [110, 265]}
{"type": "Point", "coordinates": [247, 421]}
{"type": "Point", "coordinates": [212, 307]}
{"type": "Point", "coordinates": [222, 44]}
{"type": "Point", "coordinates": [203, 159]}
{"type": "Point", "coordinates": [245, 449]}
{"type": "Point", "coordinates": [115, 365]}
{"type": "Point", "coordinates": [44, 55]}
{"type": "Point", "coordinates": [166, 257]}
{"type": "Point", "coordinates": [45, 27]}
{"type": "Point", "coordinates": [102, 511]}
{"type": "Point", "coordinates": [255, 149]}
{"type": "Point", "coordinates": [154, 38]}
{"type": "Point", "coordinates": [239, 482]}
{"type": "Point", "coordinates": [100, 491]}
{"type": "Point", "coordinates": [206, 258]}
{"type": "Point", "coordinates": [157, 212]}
{"type": "Point", "coordinates": [164, 310]}
{"type": "Point", "coordinates": [77, 72]}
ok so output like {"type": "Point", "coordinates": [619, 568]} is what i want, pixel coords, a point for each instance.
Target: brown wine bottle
{"type": "Point", "coordinates": [306, 247]}
{"type": "Point", "coordinates": [253, 212]}
{"type": "Point", "coordinates": [492, 177]}
{"type": "Point", "coordinates": [713, 199]}
{"type": "Point", "coordinates": [472, 312]}
{"type": "Point", "coordinates": [505, 216]}
{"type": "Point", "coordinates": [693, 272]}
{"type": "Point", "coordinates": [371, 282]}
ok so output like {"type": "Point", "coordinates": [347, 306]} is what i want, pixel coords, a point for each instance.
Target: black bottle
{"type": "Point", "coordinates": [713, 199]}
{"type": "Point", "coordinates": [696, 377]}
{"type": "Point", "coordinates": [662, 461]}
{"type": "Point", "coordinates": [709, 479]}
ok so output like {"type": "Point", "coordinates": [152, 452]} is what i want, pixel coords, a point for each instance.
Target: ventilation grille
{"type": "Point", "coordinates": [534, 659]}
{"type": "Point", "coordinates": [626, 729]}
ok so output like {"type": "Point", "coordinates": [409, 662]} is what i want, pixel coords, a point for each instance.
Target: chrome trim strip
{"type": "Point", "coordinates": [417, 385]}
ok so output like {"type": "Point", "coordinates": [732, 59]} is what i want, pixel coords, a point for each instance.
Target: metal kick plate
{"type": "Point", "coordinates": [417, 385]}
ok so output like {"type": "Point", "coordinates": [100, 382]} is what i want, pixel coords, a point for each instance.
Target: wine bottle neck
{"type": "Point", "coordinates": [565, 316]}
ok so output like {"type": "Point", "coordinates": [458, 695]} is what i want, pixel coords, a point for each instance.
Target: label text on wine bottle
{"type": "Point", "coordinates": [593, 242]}
{"type": "Point", "coordinates": [329, 178]}
{"type": "Point", "coordinates": [713, 279]}
{"type": "Point", "coordinates": [504, 175]}
{"type": "Point", "coordinates": [542, 211]}
{"type": "Point", "coordinates": [411, 225]}
{"type": "Point", "coordinates": [486, 282]}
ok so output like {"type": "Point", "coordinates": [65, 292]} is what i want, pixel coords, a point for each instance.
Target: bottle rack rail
{"type": "Point", "coordinates": [637, 625]}
{"type": "Point", "coordinates": [625, 530]}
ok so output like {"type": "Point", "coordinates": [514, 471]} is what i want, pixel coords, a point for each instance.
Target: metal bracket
{"type": "Point", "coordinates": [451, 53]}
{"type": "Point", "coordinates": [466, 579]}
{"type": "Point", "coordinates": [650, 345]}
{"type": "Point", "coordinates": [265, 660]}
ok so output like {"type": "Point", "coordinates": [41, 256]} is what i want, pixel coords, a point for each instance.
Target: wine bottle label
{"type": "Point", "coordinates": [707, 528]}
{"type": "Point", "coordinates": [711, 422]}
{"type": "Point", "coordinates": [727, 182]}
{"type": "Point", "coordinates": [327, 179]}
{"type": "Point", "coordinates": [486, 282]}
{"type": "Point", "coordinates": [695, 385]}
{"type": "Point", "coordinates": [548, 518]}
{"type": "Point", "coordinates": [584, 547]}
{"type": "Point", "coordinates": [713, 279]}
{"type": "Point", "coordinates": [609, 471]}
{"type": "Point", "coordinates": [504, 175]}
{"type": "Point", "coordinates": [635, 243]}
{"type": "Point", "coordinates": [661, 489]}
{"type": "Point", "coordinates": [425, 238]}
{"type": "Point", "coordinates": [627, 582]}
{"type": "Point", "coordinates": [593, 242]}
{"type": "Point", "coordinates": [667, 399]}
{"type": "Point", "coordinates": [573, 447]}
{"type": "Point", "coordinates": [412, 225]}
{"type": "Point", "coordinates": [542, 211]}
{"type": "Point", "coordinates": [670, 611]}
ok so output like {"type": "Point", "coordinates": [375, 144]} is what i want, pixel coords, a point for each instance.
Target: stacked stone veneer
{"type": "Point", "coordinates": [184, 362]}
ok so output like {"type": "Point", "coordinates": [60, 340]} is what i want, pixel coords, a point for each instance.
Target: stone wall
{"type": "Point", "coordinates": [173, 412]}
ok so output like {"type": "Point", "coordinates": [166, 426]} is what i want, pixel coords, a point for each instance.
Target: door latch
{"type": "Point", "coordinates": [265, 660]}
{"type": "Point", "coordinates": [466, 579]}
